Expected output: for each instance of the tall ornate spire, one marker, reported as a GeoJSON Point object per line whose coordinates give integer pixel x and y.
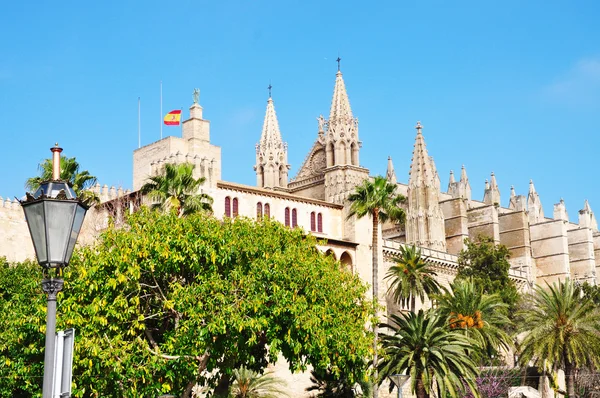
{"type": "Point", "coordinates": [341, 141]}
{"type": "Point", "coordinates": [491, 195]}
{"type": "Point", "coordinates": [271, 152]}
{"type": "Point", "coordinates": [424, 221]}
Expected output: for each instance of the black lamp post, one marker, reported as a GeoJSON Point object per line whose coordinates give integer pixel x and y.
{"type": "Point", "coordinates": [54, 215]}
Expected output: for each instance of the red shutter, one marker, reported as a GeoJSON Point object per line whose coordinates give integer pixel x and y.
{"type": "Point", "coordinates": [227, 206]}
{"type": "Point", "coordinates": [235, 207]}
{"type": "Point", "coordinates": [320, 222]}
{"type": "Point", "coordinates": [259, 212]}
{"type": "Point", "coordinates": [287, 216]}
{"type": "Point", "coordinates": [312, 222]}
{"type": "Point", "coordinates": [294, 218]}
{"type": "Point", "coordinates": [267, 210]}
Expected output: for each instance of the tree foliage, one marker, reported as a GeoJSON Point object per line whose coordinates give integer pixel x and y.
{"type": "Point", "coordinates": [327, 384]}
{"type": "Point", "coordinates": [176, 188]}
{"type": "Point", "coordinates": [487, 264]}
{"type": "Point", "coordinates": [480, 316]}
{"type": "Point", "coordinates": [250, 384]}
{"type": "Point", "coordinates": [412, 276]}
{"type": "Point", "coordinates": [70, 171]}
{"type": "Point", "coordinates": [562, 331]}
{"type": "Point", "coordinates": [167, 302]}
{"type": "Point", "coordinates": [423, 346]}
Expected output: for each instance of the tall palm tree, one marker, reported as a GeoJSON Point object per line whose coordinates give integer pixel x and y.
{"type": "Point", "coordinates": [481, 316]}
{"type": "Point", "coordinates": [79, 180]}
{"type": "Point", "coordinates": [412, 277]}
{"type": "Point", "coordinates": [562, 330]}
{"type": "Point", "coordinates": [423, 346]}
{"type": "Point", "coordinates": [176, 188]}
{"type": "Point", "coordinates": [378, 199]}
{"type": "Point", "coordinates": [250, 384]}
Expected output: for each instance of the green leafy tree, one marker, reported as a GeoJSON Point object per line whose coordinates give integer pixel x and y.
{"type": "Point", "coordinates": [562, 331]}
{"type": "Point", "coordinates": [250, 384]}
{"type": "Point", "coordinates": [80, 180]}
{"type": "Point", "coordinates": [487, 264]}
{"type": "Point", "coordinates": [480, 316]}
{"type": "Point", "coordinates": [379, 200]}
{"type": "Point", "coordinates": [22, 328]}
{"type": "Point", "coordinates": [423, 346]}
{"type": "Point", "coordinates": [591, 292]}
{"type": "Point", "coordinates": [167, 302]}
{"type": "Point", "coordinates": [412, 277]}
{"type": "Point", "coordinates": [176, 188]}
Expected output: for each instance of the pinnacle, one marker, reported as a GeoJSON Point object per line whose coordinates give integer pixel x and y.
{"type": "Point", "coordinates": [390, 174]}
{"type": "Point", "coordinates": [340, 104]}
{"type": "Point", "coordinates": [422, 168]}
{"type": "Point", "coordinates": [271, 136]}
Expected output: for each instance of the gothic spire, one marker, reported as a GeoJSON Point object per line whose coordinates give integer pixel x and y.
{"type": "Point", "coordinates": [271, 152]}
{"type": "Point", "coordinates": [340, 105]}
{"type": "Point", "coordinates": [390, 175]}
{"type": "Point", "coordinates": [463, 174]}
{"type": "Point", "coordinates": [452, 180]}
{"type": "Point", "coordinates": [271, 136]}
{"type": "Point", "coordinates": [492, 193]}
{"type": "Point", "coordinates": [424, 221]}
{"type": "Point", "coordinates": [422, 171]}
{"type": "Point", "coordinates": [534, 205]}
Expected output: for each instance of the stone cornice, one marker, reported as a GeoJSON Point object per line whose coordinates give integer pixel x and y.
{"type": "Point", "coordinates": [267, 192]}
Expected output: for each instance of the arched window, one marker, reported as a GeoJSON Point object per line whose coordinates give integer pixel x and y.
{"type": "Point", "coordinates": [346, 261]}
{"type": "Point", "coordinates": [287, 216]}
{"type": "Point", "coordinates": [259, 210]}
{"type": "Point", "coordinates": [227, 206]}
{"type": "Point", "coordinates": [267, 210]}
{"type": "Point", "coordinates": [313, 222]}
{"type": "Point", "coordinates": [320, 222]}
{"type": "Point", "coordinates": [235, 207]}
{"type": "Point", "coordinates": [294, 218]}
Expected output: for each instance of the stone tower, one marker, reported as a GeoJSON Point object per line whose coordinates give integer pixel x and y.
{"type": "Point", "coordinates": [339, 136]}
{"type": "Point", "coordinates": [424, 220]}
{"type": "Point", "coordinates": [271, 153]}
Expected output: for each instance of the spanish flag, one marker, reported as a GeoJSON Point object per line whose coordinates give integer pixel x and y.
{"type": "Point", "coordinates": [172, 118]}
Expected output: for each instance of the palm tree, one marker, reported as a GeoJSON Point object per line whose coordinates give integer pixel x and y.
{"type": "Point", "coordinates": [176, 188]}
{"type": "Point", "coordinates": [378, 199]}
{"type": "Point", "coordinates": [480, 316]}
{"type": "Point", "coordinates": [329, 385]}
{"type": "Point", "coordinates": [250, 384]}
{"type": "Point", "coordinates": [562, 330]}
{"type": "Point", "coordinates": [412, 277]}
{"type": "Point", "coordinates": [423, 346]}
{"type": "Point", "coordinates": [70, 172]}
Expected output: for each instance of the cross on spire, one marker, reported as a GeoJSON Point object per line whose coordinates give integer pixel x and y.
{"type": "Point", "coordinates": [270, 87]}
{"type": "Point", "coordinates": [419, 126]}
{"type": "Point", "coordinates": [338, 61]}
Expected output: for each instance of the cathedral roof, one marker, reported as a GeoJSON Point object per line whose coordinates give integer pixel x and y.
{"type": "Point", "coordinates": [340, 105]}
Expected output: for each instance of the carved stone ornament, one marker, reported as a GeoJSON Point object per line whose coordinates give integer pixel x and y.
{"type": "Point", "coordinates": [318, 162]}
{"type": "Point", "coordinates": [51, 287]}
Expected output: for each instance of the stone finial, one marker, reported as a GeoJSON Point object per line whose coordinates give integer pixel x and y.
{"type": "Point", "coordinates": [487, 184]}
{"type": "Point", "coordinates": [419, 127]}
{"type": "Point", "coordinates": [587, 218]}
{"type": "Point", "coordinates": [390, 174]}
{"type": "Point", "coordinates": [512, 191]}
{"type": "Point", "coordinates": [463, 174]}
{"type": "Point", "coordinates": [451, 180]}
{"type": "Point", "coordinates": [534, 205]}
{"type": "Point", "coordinates": [560, 211]}
{"type": "Point", "coordinates": [491, 194]}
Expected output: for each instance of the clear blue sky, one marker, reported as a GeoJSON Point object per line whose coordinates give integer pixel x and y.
{"type": "Point", "coordinates": [511, 87]}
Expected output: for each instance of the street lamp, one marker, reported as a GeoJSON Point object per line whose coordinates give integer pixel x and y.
{"type": "Point", "coordinates": [54, 216]}
{"type": "Point", "coordinates": [399, 381]}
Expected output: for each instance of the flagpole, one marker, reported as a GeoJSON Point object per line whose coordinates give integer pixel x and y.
{"type": "Point", "coordinates": [139, 133]}
{"type": "Point", "coordinates": [161, 111]}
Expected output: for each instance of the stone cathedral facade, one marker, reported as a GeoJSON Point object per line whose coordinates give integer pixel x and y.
{"type": "Point", "coordinates": [543, 248]}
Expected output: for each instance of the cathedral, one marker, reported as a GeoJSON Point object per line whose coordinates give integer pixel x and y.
{"type": "Point", "coordinates": [542, 248]}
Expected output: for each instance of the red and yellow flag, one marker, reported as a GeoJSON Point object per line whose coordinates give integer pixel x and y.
{"type": "Point", "coordinates": [172, 118]}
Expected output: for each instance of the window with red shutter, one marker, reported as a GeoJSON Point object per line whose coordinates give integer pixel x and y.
{"type": "Point", "coordinates": [259, 211]}
{"type": "Point", "coordinates": [312, 222]}
{"type": "Point", "coordinates": [267, 210]}
{"type": "Point", "coordinates": [287, 216]}
{"type": "Point", "coordinates": [235, 207]}
{"type": "Point", "coordinates": [294, 218]}
{"type": "Point", "coordinates": [227, 206]}
{"type": "Point", "coordinates": [320, 222]}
